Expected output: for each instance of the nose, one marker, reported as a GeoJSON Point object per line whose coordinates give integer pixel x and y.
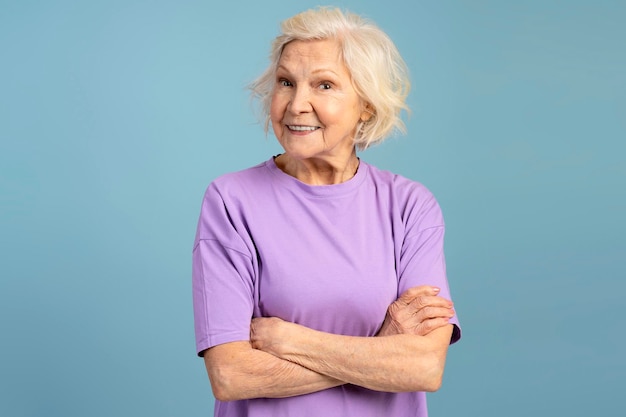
{"type": "Point", "coordinates": [300, 100]}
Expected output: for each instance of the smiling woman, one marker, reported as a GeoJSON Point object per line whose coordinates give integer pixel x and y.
{"type": "Point", "coordinates": [319, 280]}
{"type": "Point", "coordinates": [314, 112]}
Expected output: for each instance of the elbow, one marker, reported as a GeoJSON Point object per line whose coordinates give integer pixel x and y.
{"type": "Point", "coordinates": [222, 394]}
{"type": "Point", "coordinates": [431, 375]}
{"type": "Point", "coordinates": [433, 365]}
{"type": "Point", "coordinates": [220, 390]}
{"type": "Point", "coordinates": [433, 383]}
{"type": "Point", "coordinates": [223, 384]}
{"type": "Point", "coordinates": [226, 377]}
{"type": "Point", "coordinates": [224, 388]}
{"type": "Point", "coordinates": [435, 379]}
{"type": "Point", "coordinates": [219, 393]}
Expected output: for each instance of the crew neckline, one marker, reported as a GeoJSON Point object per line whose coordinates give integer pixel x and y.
{"type": "Point", "coordinates": [342, 188]}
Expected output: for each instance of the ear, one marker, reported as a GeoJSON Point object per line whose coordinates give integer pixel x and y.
{"type": "Point", "coordinates": [367, 113]}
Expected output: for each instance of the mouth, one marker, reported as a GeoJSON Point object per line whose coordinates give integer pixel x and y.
{"type": "Point", "coordinates": [302, 128]}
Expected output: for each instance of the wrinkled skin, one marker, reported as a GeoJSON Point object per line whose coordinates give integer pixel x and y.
{"type": "Point", "coordinates": [417, 311]}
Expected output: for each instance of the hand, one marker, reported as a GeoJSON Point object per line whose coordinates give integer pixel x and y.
{"type": "Point", "coordinates": [269, 334]}
{"type": "Point", "coordinates": [417, 311]}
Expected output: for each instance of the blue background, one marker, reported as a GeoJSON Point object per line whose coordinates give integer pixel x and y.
{"type": "Point", "coordinates": [115, 115]}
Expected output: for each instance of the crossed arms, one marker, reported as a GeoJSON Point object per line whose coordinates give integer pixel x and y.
{"type": "Point", "coordinates": [284, 359]}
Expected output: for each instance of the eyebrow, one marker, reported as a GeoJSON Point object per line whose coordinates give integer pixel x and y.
{"type": "Point", "coordinates": [315, 71]}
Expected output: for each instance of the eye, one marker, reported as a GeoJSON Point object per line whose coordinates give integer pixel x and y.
{"type": "Point", "coordinates": [284, 82]}
{"type": "Point", "coordinates": [325, 86]}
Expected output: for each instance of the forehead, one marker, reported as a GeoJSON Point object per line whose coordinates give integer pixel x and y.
{"type": "Point", "coordinates": [325, 52]}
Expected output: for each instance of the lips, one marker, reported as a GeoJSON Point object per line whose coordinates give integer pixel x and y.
{"type": "Point", "coordinates": [302, 128]}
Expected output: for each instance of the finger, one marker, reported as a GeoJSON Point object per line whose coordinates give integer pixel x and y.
{"type": "Point", "coordinates": [430, 301]}
{"type": "Point", "coordinates": [432, 313]}
{"type": "Point", "coordinates": [429, 325]}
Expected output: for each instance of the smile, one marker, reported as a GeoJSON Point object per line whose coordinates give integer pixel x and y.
{"type": "Point", "coordinates": [302, 128]}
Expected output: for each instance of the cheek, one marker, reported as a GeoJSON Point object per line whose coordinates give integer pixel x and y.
{"type": "Point", "coordinates": [274, 124]}
{"type": "Point", "coordinates": [277, 108]}
{"type": "Point", "coordinates": [276, 116]}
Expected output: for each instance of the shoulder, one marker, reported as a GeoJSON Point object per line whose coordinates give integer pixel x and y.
{"type": "Point", "coordinates": [232, 191]}
{"type": "Point", "coordinates": [242, 178]}
{"type": "Point", "coordinates": [402, 188]}
{"type": "Point", "coordinates": [225, 202]}
{"type": "Point", "coordinates": [396, 181]}
{"type": "Point", "coordinates": [411, 199]}
{"type": "Point", "coordinates": [235, 185]}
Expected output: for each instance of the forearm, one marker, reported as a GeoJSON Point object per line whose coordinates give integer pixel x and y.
{"type": "Point", "coordinates": [239, 372]}
{"type": "Point", "coordinates": [392, 363]}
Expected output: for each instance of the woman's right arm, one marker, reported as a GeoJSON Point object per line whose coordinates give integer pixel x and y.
{"type": "Point", "coordinates": [238, 372]}
{"type": "Point", "coordinates": [223, 296]}
{"type": "Point", "coordinates": [223, 308]}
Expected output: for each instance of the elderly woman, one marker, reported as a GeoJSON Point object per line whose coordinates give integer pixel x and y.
{"type": "Point", "coordinates": [319, 280]}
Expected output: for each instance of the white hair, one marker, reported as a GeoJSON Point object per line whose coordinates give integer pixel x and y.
{"type": "Point", "coordinates": [379, 74]}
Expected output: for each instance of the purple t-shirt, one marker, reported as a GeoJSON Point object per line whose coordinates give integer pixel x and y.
{"type": "Point", "coordinates": [331, 258]}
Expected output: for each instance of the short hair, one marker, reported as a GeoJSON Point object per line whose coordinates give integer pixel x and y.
{"type": "Point", "coordinates": [379, 74]}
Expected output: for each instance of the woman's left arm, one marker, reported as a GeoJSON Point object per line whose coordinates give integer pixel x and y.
{"type": "Point", "coordinates": [396, 363]}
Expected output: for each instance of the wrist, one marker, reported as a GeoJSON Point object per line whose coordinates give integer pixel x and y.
{"type": "Point", "coordinates": [387, 328]}
{"type": "Point", "coordinates": [291, 337]}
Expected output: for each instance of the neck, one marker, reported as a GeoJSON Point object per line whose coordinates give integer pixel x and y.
{"type": "Point", "coordinates": [317, 171]}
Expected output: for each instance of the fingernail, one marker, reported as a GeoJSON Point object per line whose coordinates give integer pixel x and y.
{"type": "Point", "coordinates": [436, 289]}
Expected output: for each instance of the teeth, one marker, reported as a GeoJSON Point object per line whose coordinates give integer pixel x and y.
{"type": "Point", "coordinates": [302, 128]}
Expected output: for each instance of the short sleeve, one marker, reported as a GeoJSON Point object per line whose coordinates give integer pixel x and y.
{"type": "Point", "coordinates": [222, 275]}
{"type": "Point", "coordinates": [422, 260]}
